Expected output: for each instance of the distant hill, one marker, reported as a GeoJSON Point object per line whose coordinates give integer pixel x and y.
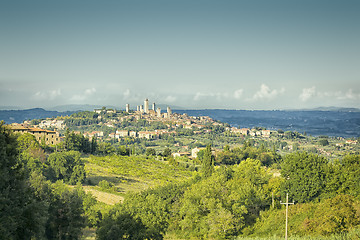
{"type": "Point", "coordinates": [328, 109]}
{"type": "Point", "coordinates": [11, 108]}
{"type": "Point", "coordinates": [87, 107]}
{"type": "Point", "coordinates": [78, 107]}
{"type": "Point", "coordinates": [337, 109]}
{"type": "Point", "coordinates": [18, 116]}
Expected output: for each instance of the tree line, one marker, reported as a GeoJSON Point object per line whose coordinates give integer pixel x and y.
{"type": "Point", "coordinates": [244, 199]}
{"type": "Point", "coordinates": [35, 203]}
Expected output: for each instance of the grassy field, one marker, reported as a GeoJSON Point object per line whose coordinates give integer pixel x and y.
{"type": "Point", "coordinates": [129, 174]}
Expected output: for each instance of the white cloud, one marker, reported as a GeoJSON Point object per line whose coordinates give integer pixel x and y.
{"type": "Point", "coordinates": [90, 91]}
{"type": "Point", "coordinates": [126, 94]}
{"type": "Point", "coordinates": [266, 93]}
{"type": "Point", "coordinates": [199, 95]}
{"type": "Point", "coordinates": [238, 93]}
{"type": "Point", "coordinates": [48, 95]}
{"type": "Point", "coordinates": [170, 99]}
{"type": "Point", "coordinates": [307, 93]}
{"type": "Point", "coordinates": [219, 96]}
{"type": "Point", "coordinates": [81, 97]}
{"type": "Point", "coordinates": [350, 95]}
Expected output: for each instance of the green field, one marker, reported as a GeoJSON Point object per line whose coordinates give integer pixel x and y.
{"type": "Point", "coordinates": [129, 174]}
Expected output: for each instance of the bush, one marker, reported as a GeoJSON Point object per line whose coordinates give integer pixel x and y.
{"type": "Point", "coordinates": [107, 186]}
{"type": "Point", "coordinates": [323, 142]}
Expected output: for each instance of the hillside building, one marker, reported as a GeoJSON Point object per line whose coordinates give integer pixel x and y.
{"type": "Point", "coordinates": [50, 137]}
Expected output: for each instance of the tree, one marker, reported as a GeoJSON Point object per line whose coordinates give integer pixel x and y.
{"type": "Point", "coordinates": [334, 215]}
{"type": "Point", "coordinates": [68, 166]}
{"type": "Point", "coordinates": [167, 152]}
{"type": "Point", "coordinates": [123, 151]}
{"type": "Point", "coordinates": [305, 176]}
{"type": "Point", "coordinates": [22, 215]}
{"type": "Point", "coordinates": [105, 148]}
{"type": "Point", "coordinates": [349, 175]}
{"type": "Point", "coordinates": [31, 155]}
{"type": "Point", "coordinates": [150, 152]}
{"type": "Point", "coordinates": [121, 226]}
{"type": "Point", "coordinates": [323, 142]}
{"type": "Point", "coordinates": [65, 213]}
{"type": "Point", "coordinates": [27, 141]}
{"type": "Point", "coordinates": [78, 142]}
{"type": "Point", "coordinates": [208, 162]}
{"type": "Point", "coordinates": [93, 145]}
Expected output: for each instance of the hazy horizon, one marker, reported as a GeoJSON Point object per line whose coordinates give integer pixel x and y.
{"type": "Point", "coordinates": [252, 55]}
{"type": "Point", "coordinates": [91, 107]}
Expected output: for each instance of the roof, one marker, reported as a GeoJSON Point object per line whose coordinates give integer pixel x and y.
{"type": "Point", "coordinates": [36, 130]}
{"type": "Point", "coordinates": [17, 127]}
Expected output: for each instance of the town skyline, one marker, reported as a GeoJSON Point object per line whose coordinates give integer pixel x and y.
{"type": "Point", "coordinates": [252, 55]}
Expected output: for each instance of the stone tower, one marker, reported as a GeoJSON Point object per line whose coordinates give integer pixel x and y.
{"type": "Point", "coordinates": [146, 106]}
{"type": "Point", "coordinates": [168, 112]}
{"type": "Point", "coordinates": [127, 108]}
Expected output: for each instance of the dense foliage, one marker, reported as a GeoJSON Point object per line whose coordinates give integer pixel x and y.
{"type": "Point", "coordinates": [21, 213]}
{"type": "Point", "coordinates": [236, 155]}
{"type": "Point", "coordinates": [243, 199]}
{"type": "Point", "coordinates": [334, 215]}
{"type": "Point", "coordinates": [67, 166]}
{"type": "Point", "coordinates": [31, 206]}
{"type": "Point", "coordinates": [305, 176]}
{"type": "Point", "coordinates": [213, 206]}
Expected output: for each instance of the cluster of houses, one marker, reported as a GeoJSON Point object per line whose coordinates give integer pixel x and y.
{"type": "Point", "coordinates": [52, 123]}
{"type": "Point", "coordinates": [251, 132]}
{"type": "Point", "coordinates": [125, 133]}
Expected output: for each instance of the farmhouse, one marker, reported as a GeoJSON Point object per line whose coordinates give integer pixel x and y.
{"type": "Point", "coordinates": [50, 137]}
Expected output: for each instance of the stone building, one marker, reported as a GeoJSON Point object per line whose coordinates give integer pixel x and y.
{"type": "Point", "coordinates": [50, 137]}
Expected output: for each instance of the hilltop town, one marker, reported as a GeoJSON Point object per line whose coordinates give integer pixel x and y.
{"type": "Point", "coordinates": [147, 127]}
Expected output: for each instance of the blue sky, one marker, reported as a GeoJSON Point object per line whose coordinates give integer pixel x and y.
{"type": "Point", "coordinates": [194, 54]}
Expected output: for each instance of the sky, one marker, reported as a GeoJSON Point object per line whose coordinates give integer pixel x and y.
{"type": "Point", "coordinates": [228, 54]}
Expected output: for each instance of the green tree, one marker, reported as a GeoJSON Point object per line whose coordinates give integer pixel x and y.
{"type": "Point", "coordinates": [119, 225]}
{"type": "Point", "coordinates": [66, 211]}
{"type": "Point", "coordinates": [323, 142]}
{"type": "Point", "coordinates": [105, 148]}
{"type": "Point", "coordinates": [334, 215]}
{"type": "Point", "coordinates": [77, 142]}
{"type": "Point", "coordinates": [349, 175]}
{"type": "Point", "coordinates": [123, 151]}
{"type": "Point", "coordinates": [31, 155]}
{"type": "Point", "coordinates": [305, 176]}
{"type": "Point", "coordinates": [167, 152]}
{"type": "Point", "coordinates": [207, 162]}
{"type": "Point", "coordinates": [150, 152]}
{"type": "Point", "coordinates": [67, 166]}
{"type": "Point", "coordinates": [93, 145]}
{"type": "Point", "coordinates": [21, 214]}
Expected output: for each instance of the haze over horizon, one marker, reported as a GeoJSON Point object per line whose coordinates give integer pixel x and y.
{"type": "Point", "coordinates": [193, 54]}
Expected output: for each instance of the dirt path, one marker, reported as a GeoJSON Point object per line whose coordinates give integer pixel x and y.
{"type": "Point", "coordinates": [104, 197]}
